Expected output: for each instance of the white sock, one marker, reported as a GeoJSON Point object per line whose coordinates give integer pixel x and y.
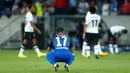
{"type": "Point", "coordinates": [84, 48]}
{"type": "Point", "coordinates": [21, 50]}
{"type": "Point", "coordinates": [96, 51]}
{"type": "Point", "coordinates": [55, 64]}
{"type": "Point", "coordinates": [116, 49]}
{"type": "Point", "coordinates": [37, 50]}
{"type": "Point", "coordinates": [111, 48]}
{"type": "Point", "coordinates": [67, 65]}
{"type": "Point", "coordinates": [88, 51]}
{"type": "Point", "coordinates": [99, 49]}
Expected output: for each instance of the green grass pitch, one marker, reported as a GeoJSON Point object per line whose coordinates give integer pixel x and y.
{"type": "Point", "coordinates": [10, 63]}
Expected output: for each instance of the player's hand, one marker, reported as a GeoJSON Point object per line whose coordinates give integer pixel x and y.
{"type": "Point", "coordinates": [83, 36]}
{"type": "Point", "coordinates": [39, 32]}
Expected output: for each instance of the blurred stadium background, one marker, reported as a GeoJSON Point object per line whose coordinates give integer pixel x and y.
{"type": "Point", "coordinates": [53, 13]}
{"type": "Point", "coordinates": [71, 15]}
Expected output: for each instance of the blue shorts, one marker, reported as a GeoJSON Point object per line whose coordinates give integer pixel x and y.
{"type": "Point", "coordinates": [54, 57]}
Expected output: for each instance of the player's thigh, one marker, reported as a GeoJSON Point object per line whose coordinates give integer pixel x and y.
{"type": "Point", "coordinates": [88, 38]}
{"type": "Point", "coordinates": [25, 41]}
{"type": "Point", "coordinates": [110, 36]}
{"type": "Point", "coordinates": [95, 38]}
{"type": "Point", "coordinates": [72, 56]}
{"type": "Point", "coordinates": [50, 55]}
{"type": "Point", "coordinates": [27, 35]}
{"type": "Point", "coordinates": [34, 41]}
{"type": "Point", "coordinates": [114, 40]}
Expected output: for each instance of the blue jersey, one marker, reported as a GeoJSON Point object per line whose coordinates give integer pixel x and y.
{"type": "Point", "coordinates": [61, 45]}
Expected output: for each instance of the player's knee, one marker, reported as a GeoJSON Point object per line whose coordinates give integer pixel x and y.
{"type": "Point", "coordinates": [34, 42]}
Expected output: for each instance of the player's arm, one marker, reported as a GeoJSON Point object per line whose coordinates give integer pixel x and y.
{"type": "Point", "coordinates": [117, 35]}
{"type": "Point", "coordinates": [34, 26]}
{"type": "Point", "coordinates": [100, 27]}
{"type": "Point", "coordinates": [84, 31]}
{"type": "Point", "coordinates": [48, 49]}
{"type": "Point", "coordinates": [71, 47]}
{"type": "Point", "coordinates": [85, 26]}
{"type": "Point", "coordinates": [50, 46]}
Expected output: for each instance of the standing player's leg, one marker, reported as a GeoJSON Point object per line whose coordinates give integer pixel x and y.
{"type": "Point", "coordinates": [88, 41]}
{"type": "Point", "coordinates": [84, 49]}
{"type": "Point", "coordinates": [116, 48]}
{"type": "Point", "coordinates": [99, 48]}
{"type": "Point", "coordinates": [96, 51]}
{"type": "Point", "coordinates": [111, 48]}
{"type": "Point", "coordinates": [110, 41]}
{"type": "Point", "coordinates": [34, 42]}
{"type": "Point", "coordinates": [95, 43]}
{"type": "Point", "coordinates": [25, 41]}
{"type": "Point", "coordinates": [100, 52]}
{"type": "Point", "coordinates": [51, 58]}
{"type": "Point", "coordinates": [115, 45]}
{"type": "Point", "coordinates": [21, 55]}
{"type": "Point", "coordinates": [88, 51]}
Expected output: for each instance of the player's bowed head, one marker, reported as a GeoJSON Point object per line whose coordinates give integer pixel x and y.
{"type": "Point", "coordinates": [92, 10]}
{"type": "Point", "coordinates": [60, 30]}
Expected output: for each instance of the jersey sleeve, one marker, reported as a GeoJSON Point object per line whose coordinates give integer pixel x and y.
{"type": "Point", "coordinates": [87, 19]}
{"type": "Point", "coordinates": [30, 17]}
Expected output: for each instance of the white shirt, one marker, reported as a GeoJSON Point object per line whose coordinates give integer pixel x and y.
{"type": "Point", "coordinates": [88, 13]}
{"type": "Point", "coordinates": [116, 29]}
{"type": "Point", "coordinates": [92, 20]}
{"type": "Point", "coordinates": [28, 26]}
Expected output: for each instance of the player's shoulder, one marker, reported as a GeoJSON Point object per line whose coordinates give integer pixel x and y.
{"type": "Point", "coordinates": [97, 15]}
{"type": "Point", "coordinates": [28, 14]}
{"type": "Point", "coordinates": [94, 15]}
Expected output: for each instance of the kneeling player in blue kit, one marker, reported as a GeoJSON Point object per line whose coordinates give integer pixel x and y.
{"type": "Point", "coordinates": [60, 49]}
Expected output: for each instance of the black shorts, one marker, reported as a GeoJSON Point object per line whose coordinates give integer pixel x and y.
{"type": "Point", "coordinates": [92, 39]}
{"type": "Point", "coordinates": [29, 35]}
{"type": "Point", "coordinates": [111, 38]}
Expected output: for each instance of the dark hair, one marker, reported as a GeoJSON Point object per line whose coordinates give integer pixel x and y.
{"type": "Point", "coordinates": [124, 31]}
{"type": "Point", "coordinates": [59, 29]}
{"type": "Point", "coordinates": [92, 10]}
{"type": "Point", "coordinates": [30, 6]}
